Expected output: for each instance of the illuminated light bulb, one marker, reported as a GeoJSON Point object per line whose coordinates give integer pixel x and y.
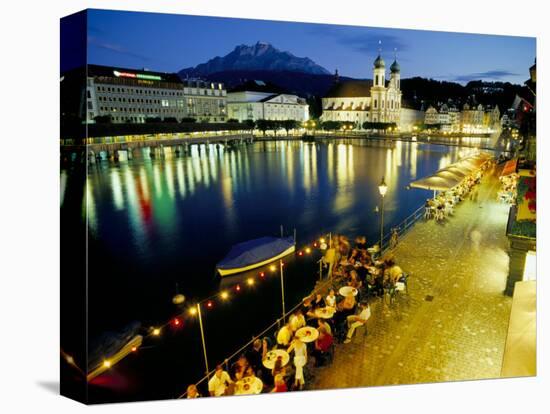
{"type": "Point", "coordinates": [193, 311]}
{"type": "Point", "coordinates": [315, 244]}
{"type": "Point", "coordinates": [250, 281]}
{"type": "Point", "coordinates": [107, 363]}
{"type": "Point", "coordinates": [322, 240]}
{"type": "Point", "coordinates": [176, 321]}
{"type": "Point", "coordinates": [69, 359]}
{"type": "Point", "coordinates": [238, 287]}
{"type": "Point", "coordinates": [308, 250]}
{"type": "Point", "coordinates": [209, 304]}
{"type": "Point", "coordinates": [224, 295]}
{"type": "Point", "coordinates": [156, 331]}
{"type": "Point", "coordinates": [282, 264]}
{"type": "Point", "coordinates": [300, 253]}
{"type": "Point", "coordinates": [262, 274]}
{"type": "Point", "coordinates": [272, 268]}
{"type": "Point", "coordinates": [134, 348]}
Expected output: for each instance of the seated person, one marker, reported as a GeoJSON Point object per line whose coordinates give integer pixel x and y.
{"type": "Point", "coordinates": [307, 304]}
{"type": "Point", "coordinates": [318, 301]}
{"type": "Point", "coordinates": [392, 273]}
{"type": "Point", "coordinates": [330, 300]}
{"type": "Point", "coordinates": [321, 323]}
{"type": "Point", "coordinates": [354, 280]}
{"type": "Point", "coordinates": [355, 321]}
{"type": "Point", "coordinates": [345, 308]}
{"type": "Point", "coordinates": [192, 391]}
{"type": "Point", "coordinates": [322, 346]}
{"type": "Point", "coordinates": [239, 367]}
{"type": "Point", "coordinates": [284, 336]}
{"type": "Point", "coordinates": [219, 382]}
{"type": "Point", "coordinates": [255, 354]}
{"type": "Point", "coordinates": [280, 384]}
{"type": "Point", "coordinates": [297, 320]}
{"type": "Point", "coordinates": [361, 243]}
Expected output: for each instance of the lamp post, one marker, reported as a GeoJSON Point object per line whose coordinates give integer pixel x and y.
{"type": "Point", "coordinates": [282, 288]}
{"type": "Point", "coordinates": [203, 341]}
{"type": "Point", "coordinates": [383, 189]}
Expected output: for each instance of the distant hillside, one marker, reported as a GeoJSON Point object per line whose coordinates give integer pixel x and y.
{"type": "Point", "coordinates": [433, 92]}
{"type": "Point", "coordinates": [303, 77]}
{"type": "Point", "coordinates": [302, 84]}
{"type": "Point", "coordinates": [261, 56]}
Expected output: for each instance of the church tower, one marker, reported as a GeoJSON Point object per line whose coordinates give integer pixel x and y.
{"type": "Point", "coordinates": [395, 74]}
{"type": "Point", "coordinates": [394, 92]}
{"type": "Point", "coordinates": [378, 90]}
{"type": "Point", "coordinates": [379, 72]}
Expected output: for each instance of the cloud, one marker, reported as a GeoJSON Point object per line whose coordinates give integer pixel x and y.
{"type": "Point", "coordinates": [113, 47]}
{"type": "Point", "coordinates": [362, 40]}
{"type": "Point", "coordinates": [496, 74]}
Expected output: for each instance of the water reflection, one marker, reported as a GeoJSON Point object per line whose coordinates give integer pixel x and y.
{"type": "Point", "coordinates": [193, 206]}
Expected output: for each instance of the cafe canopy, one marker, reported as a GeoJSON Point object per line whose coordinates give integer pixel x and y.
{"type": "Point", "coordinates": [452, 175]}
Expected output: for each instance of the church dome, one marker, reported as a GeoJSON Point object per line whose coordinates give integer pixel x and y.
{"type": "Point", "coordinates": [379, 62]}
{"type": "Point", "coordinates": [395, 68]}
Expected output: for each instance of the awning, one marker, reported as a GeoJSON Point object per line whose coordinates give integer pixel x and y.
{"type": "Point", "coordinates": [452, 175]}
{"type": "Point", "coordinates": [509, 168]}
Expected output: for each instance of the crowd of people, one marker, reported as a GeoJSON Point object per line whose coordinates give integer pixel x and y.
{"type": "Point", "coordinates": [508, 190]}
{"type": "Point", "coordinates": [443, 204]}
{"type": "Point", "coordinates": [331, 314]}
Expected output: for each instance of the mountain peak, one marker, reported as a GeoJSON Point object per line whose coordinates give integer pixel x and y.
{"type": "Point", "coordinates": [259, 56]}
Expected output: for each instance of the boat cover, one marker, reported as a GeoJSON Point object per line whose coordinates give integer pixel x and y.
{"type": "Point", "coordinates": [255, 251]}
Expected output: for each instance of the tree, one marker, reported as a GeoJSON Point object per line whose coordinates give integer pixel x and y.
{"type": "Point", "coordinates": [170, 119]}
{"type": "Point", "coordinates": [232, 121]}
{"type": "Point", "coordinates": [289, 124]}
{"type": "Point", "coordinates": [188, 120]}
{"type": "Point", "coordinates": [332, 125]}
{"type": "Point", "coordinates": [263, 125]}
{"type": "Point", "coordinates": [250, 123]}
{"type": "Point", "coordinates": [379, 126]}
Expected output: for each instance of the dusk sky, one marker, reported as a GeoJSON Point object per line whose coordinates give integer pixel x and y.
{"type": "Point", "coordinates": [168, 43]}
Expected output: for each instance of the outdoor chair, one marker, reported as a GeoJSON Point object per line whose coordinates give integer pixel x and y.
{"type": "Point", "coordinates": [405, 280]}
{"type": "Point", "coordinates": [428, 213]}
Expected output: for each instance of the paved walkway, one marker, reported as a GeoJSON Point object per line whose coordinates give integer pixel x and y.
{"type": "Point", "coordinates": [453, 323]}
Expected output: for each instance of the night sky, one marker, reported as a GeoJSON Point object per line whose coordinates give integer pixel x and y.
{"type": "Point", "coordinates": [168, 43]}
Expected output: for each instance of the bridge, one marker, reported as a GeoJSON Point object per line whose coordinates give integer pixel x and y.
{"type": "Point", "coordinates": [125, 146]}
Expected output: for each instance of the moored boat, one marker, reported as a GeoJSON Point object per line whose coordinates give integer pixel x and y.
{"type": "Point", "coordinates": [255, 253]}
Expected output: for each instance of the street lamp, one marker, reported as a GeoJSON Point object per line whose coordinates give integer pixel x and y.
{"type": "Point", "coordinates": [282, 289]}
{"type": "Point", "coordinates": [196, 310]}
{"type": "Point", "coordinates": [382, 189]}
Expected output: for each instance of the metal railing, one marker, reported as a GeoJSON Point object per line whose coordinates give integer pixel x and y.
{"type": "Point", "coordinates": [402, 228]}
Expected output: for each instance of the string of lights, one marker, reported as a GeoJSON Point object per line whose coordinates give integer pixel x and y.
{"type": "Point", "coordinates": [177, 321]}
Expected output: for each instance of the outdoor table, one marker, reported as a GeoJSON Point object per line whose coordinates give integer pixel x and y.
{"type": "Point", "coordinates": [249, 385]}
{"type": "Point", "coordinates": [346, 290]}
{"type": "Point", "coordinates": [307, 334]}
{"type": "Point", "coordinates": [325, 313]}
{"type": "Point", "coordinates": [271, 357]}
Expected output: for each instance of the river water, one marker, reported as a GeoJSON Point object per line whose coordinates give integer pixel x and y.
{"type": "Point", "coordinates": [159, 226]}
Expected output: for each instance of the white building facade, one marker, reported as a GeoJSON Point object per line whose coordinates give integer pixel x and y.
{"type": "Point", "coordinates": [471, 120]}
{"type": "Point", "coordinates": [366, 101]}
{"type": "Point", "coordinates": [254, 105]}
{"type": "Point", "coordinates": [130, 96]}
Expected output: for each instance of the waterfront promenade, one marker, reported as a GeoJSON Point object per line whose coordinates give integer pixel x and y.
{"type": "Point", "coordinates": [452, 325]}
